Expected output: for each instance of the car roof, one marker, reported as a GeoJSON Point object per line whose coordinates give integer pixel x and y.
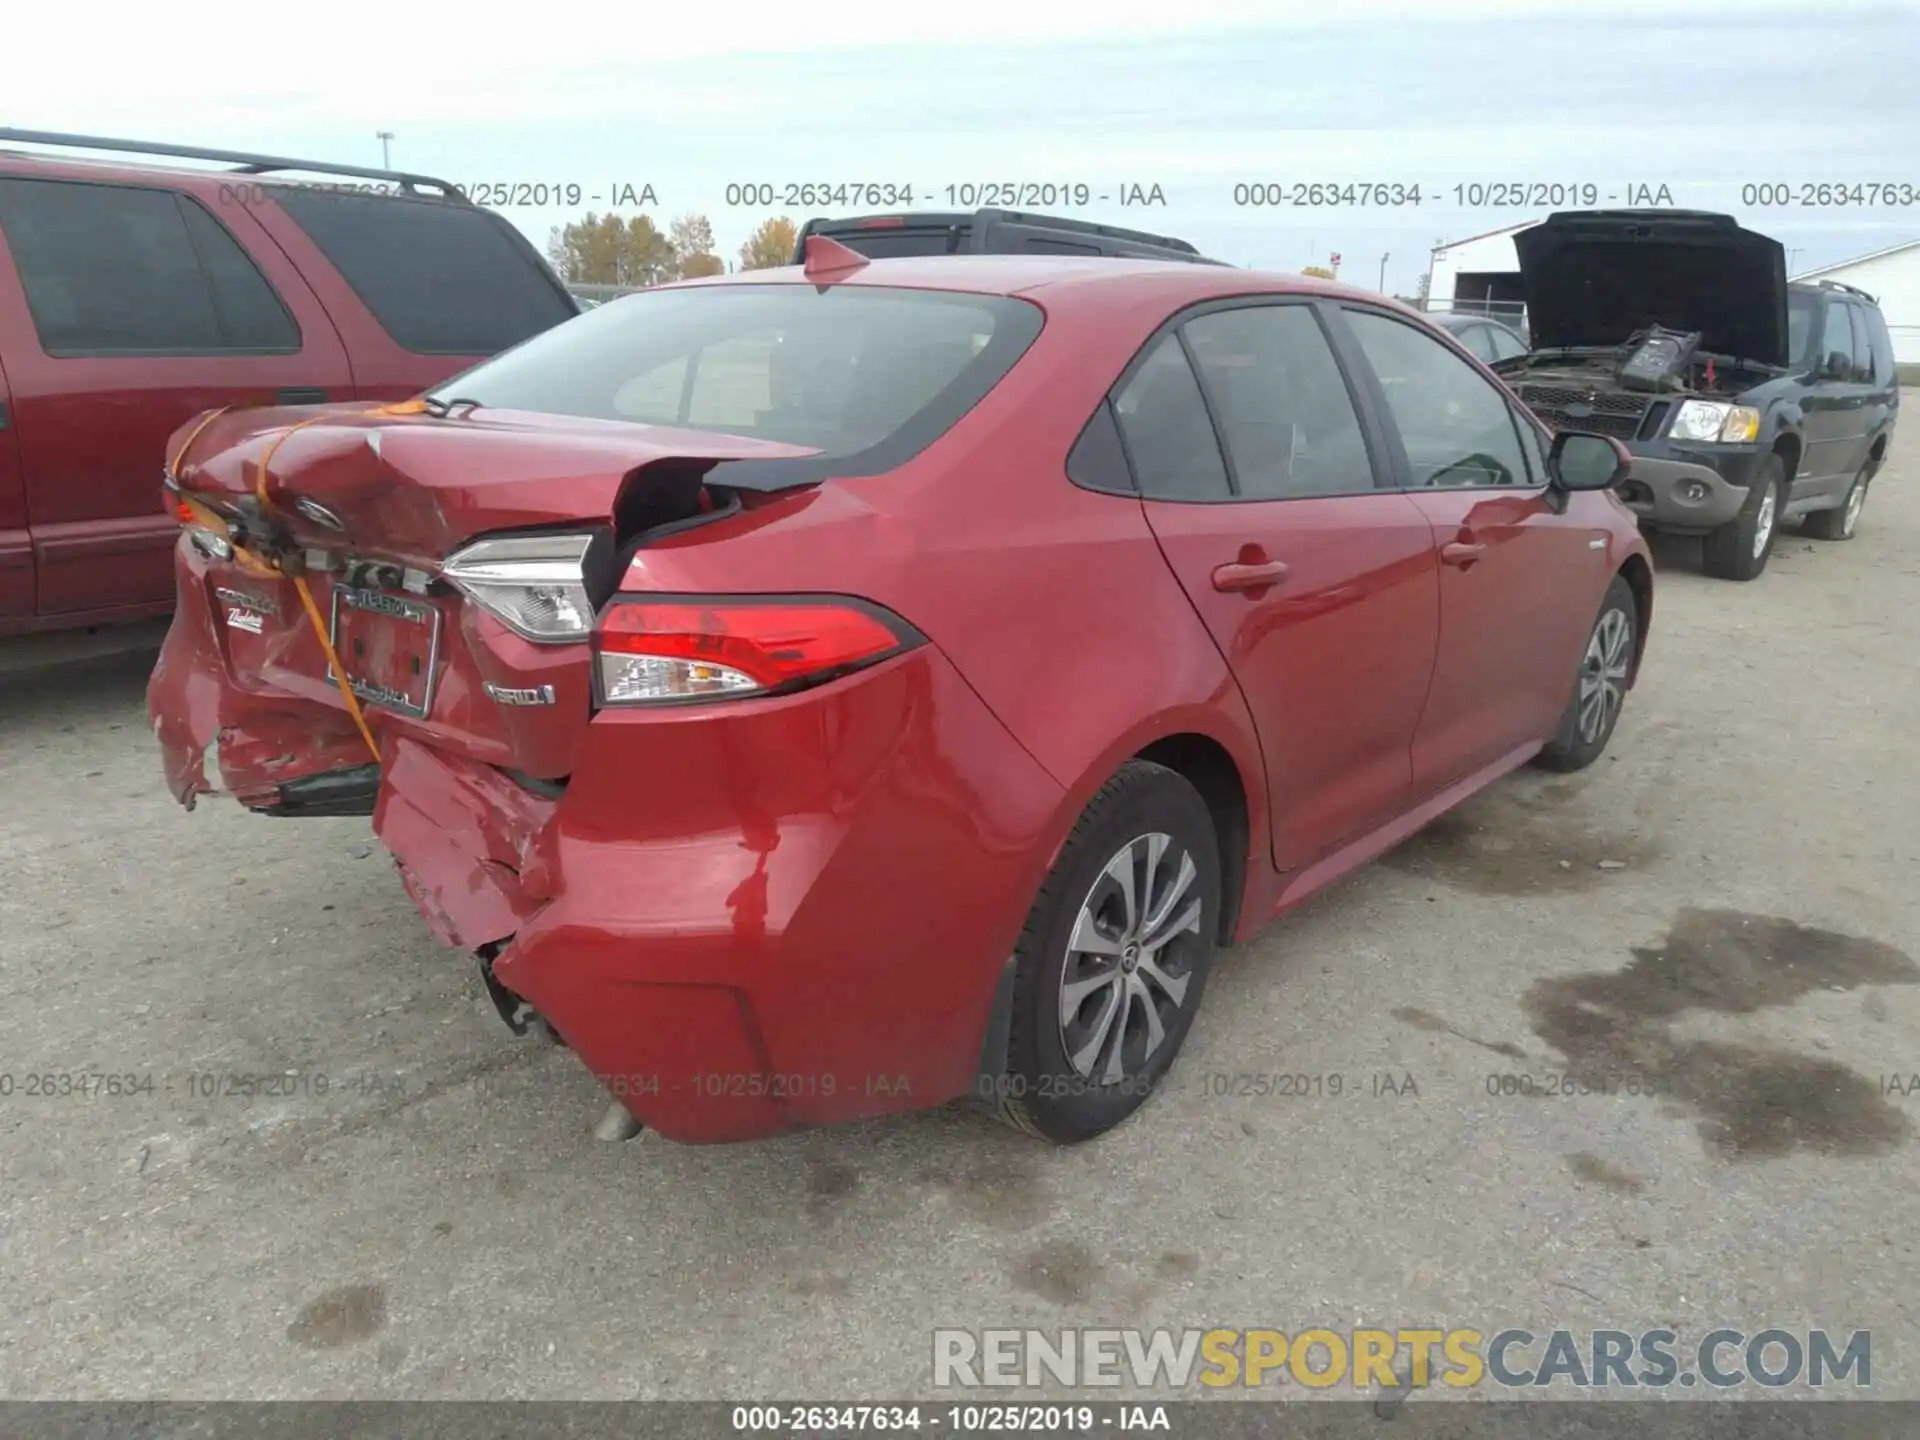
{"type": "Point", "coordinates": [1081, 277]}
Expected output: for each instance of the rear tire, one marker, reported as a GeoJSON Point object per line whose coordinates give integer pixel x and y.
{"type": "Point", "coordinates": [1114, 958]}
{"type": "Point", "coordinates": [1739, 549]}
{"type": "Point", "coordinates": [1600, 687]}
{"type": "Point", "coordinates": [1843, 521]}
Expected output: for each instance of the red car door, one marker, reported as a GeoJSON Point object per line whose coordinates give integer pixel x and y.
{"type": "Point", "coordinates": [1520, 575]}
{"type": "Point", "coordinates": [1258, 477]}
{"type": "Point", "coordinates": [135, 308]}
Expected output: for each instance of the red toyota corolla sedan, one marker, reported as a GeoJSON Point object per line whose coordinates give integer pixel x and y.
{"type": "Point", "coordinates": [818, 693]}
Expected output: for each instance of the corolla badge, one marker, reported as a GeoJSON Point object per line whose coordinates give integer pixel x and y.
{"type": "Point", "coordinates": [247, 610]}
{"type": "Point", "coordinates": [319, 514]}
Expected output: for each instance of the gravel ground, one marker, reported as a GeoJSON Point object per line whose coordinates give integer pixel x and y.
{"type": "Point", "coordinates": [1735, 881]}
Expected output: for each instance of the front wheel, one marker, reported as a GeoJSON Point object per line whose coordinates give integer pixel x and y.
{"type": "Point", "coordinates": [1114, 957]}
{"type": "Point", "coordinates": [1600, 689]}
{"type": "Point", "coordinates": [1739, 549]}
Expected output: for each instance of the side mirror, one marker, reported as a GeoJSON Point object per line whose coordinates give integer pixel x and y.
{"type": "Point", "coordinates": [1582, 460]}
{"type": "Point", "coordinates": [1839, 366]}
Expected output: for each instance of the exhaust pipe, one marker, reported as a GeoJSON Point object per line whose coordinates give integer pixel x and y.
{"type": "Point", "coordinates": [617, 1124]}
{"type": "Point", "coordinates": [520, 1017]}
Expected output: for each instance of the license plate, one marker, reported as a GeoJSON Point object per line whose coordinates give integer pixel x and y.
{"type": "Point", "coordinates": [390, 646]}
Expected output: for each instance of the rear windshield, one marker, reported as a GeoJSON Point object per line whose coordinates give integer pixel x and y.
{"type": "Point", "coordinates": [441, 278]}
{"type": "Point", "coordinates": [843, 370]}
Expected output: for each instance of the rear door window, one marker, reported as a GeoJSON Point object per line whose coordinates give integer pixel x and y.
{"type": "Point", "coordinates": [252, 315]}
{"type": "Point", "coordinates": [1862, 345]}
{"type": "Point", "coordinates": [442, 278]}
{"type": "Point", "coordinates": [847, 371]}
{"type": "Point", "coordinates": [1883, 363]}
{"type": "Point", "coordinates": [1169, 436]}
{"type": "Point", "coordinates": [135, 270]}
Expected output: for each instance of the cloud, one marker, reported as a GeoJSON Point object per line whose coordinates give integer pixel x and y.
{"type": "Point", "coordinates": [1194, 98]}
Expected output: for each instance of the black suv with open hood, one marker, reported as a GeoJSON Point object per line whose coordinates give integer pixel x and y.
{"type": "Point", "coordinates": [1745, 400]}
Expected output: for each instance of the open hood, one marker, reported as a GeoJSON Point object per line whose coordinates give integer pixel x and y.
{"type": "Point", "coordinates": [1594, 277]}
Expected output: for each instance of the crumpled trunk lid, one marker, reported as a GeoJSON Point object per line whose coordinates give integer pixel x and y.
{"type": "Point", "coordinates": [370, 504]}
{"type": "Point", "coordinates": [415, 487]}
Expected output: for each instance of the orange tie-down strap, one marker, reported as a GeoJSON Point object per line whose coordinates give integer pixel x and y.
{"type": "Point", "coordinates": [265, 566]}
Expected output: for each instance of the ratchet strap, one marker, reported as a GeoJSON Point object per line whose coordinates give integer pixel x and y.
{"type": "Point", "coordinates": [275, 567]}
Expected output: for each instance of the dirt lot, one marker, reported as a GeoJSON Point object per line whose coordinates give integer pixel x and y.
{"type": "Point", "coordinates": [421, 1210]}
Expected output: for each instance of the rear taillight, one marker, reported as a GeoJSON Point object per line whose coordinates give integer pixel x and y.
{"type": "Point", "coordinates": [678, 649]}
{"type": "Point", "coordinates": [535, 584]}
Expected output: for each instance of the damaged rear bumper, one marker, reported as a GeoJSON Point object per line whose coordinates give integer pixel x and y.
{"type": "Point", "coordinates": [744, 917]}
{"type": "Point", "coordinates": [750, 918]}
{"type": "Point", "coordinates": [275, 752]}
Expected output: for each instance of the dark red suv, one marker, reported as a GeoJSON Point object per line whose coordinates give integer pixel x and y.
{"type": "Point", "coordinates": [133, 296]}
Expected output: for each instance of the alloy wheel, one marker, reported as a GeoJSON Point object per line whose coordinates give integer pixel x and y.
{"type": "Point", "coordinates": [1856, 502]}
{"type": "Point", "coordinates": [1763, 523]}
{"type": "Point", "coordinates": [1603, 674]}
{"type": "Point", "coordinates": [1126, 974]}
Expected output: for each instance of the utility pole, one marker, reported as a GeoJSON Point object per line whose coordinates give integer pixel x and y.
{"type": "Point", "coordinates": [1383, 271]}
{"type": "Point", "coordinates": [385, 137]}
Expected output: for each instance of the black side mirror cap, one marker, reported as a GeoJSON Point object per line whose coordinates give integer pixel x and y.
{"type": "Point", "coordinates": [1583, 460]}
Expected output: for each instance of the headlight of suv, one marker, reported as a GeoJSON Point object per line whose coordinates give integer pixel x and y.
{"type": "Point", "coordinates": [1715, 420]}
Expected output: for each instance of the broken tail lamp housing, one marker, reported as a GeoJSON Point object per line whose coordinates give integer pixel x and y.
{"type": "Point", "coordinates": [207, 530]}
{"type": "Point", "coordinates": [676, 650]}
{"type": "Point", "coordinates": [535, 585]}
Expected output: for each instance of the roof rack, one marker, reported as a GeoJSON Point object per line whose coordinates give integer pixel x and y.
{"type": "Point", "coordinates": [243, 162]}
{"type": "Point", "coordinates": [1850, 289]}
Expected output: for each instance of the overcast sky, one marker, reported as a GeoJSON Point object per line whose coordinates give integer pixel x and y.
{"type": "Point", "coordinates": [692, 98]}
